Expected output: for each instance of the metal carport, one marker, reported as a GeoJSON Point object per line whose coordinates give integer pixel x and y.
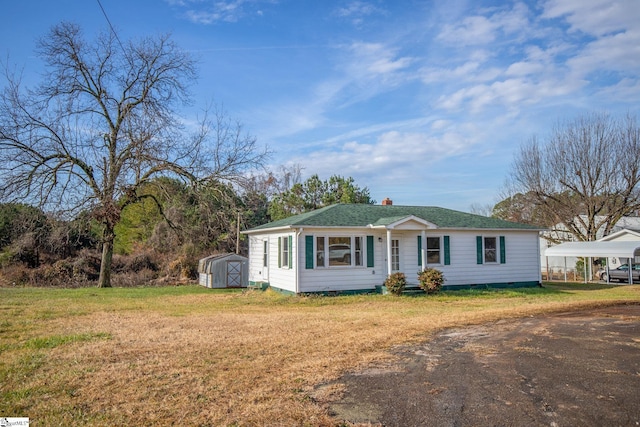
{"type": "Point", "coordinates": [598, 249]}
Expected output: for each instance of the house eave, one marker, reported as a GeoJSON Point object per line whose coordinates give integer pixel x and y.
{"type": "Point", "coordinates": [269, 230]}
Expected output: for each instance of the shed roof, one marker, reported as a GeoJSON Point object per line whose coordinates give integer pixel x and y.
{"type": "Point", "coordinates": [206, 265]}
{"type": "Point", "coordinates": [620, 249]}
{"type": "Point", "coordinates": [364, 215]}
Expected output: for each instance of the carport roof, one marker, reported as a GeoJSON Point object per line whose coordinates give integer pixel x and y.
{"type": "Point", "coordinates": [620, 249]}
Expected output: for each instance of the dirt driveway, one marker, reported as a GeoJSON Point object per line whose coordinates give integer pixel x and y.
{"type": "Point", "coordinates": [569, 369]}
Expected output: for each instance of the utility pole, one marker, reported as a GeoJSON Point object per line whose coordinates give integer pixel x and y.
{"type": "Point", "coordinates": [238, 235]}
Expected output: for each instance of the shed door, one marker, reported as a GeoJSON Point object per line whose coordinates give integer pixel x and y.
{"type": "Point", "coordinates": [234, 274]}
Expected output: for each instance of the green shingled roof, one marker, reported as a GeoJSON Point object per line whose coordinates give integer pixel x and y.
{"type": "Point", "coordinates": [361, 215]}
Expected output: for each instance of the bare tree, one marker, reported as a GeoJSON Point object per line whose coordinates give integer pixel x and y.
{"type": "Point", "coordinates": [104, 122]}
{"type": "Point", "coordinates": [585, 176]}
{"type": "Point", "coordinates": [480, 209]}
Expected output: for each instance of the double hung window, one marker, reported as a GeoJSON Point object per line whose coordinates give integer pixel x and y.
{"type": "Point", "coordinates": [285, 252]}
{"type": "Point", "coordinates": [320, 252]}
{"type": "Point", "coordinates": [490, 249]}
{"type": "Point", "coordinates": [433, 250]}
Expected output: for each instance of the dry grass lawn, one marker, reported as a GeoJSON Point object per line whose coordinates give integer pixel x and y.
{"type": "Point", "coordinates": [197, 357]}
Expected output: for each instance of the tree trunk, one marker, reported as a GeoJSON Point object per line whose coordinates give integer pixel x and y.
{"type": "Point", "coordinates": [104, 281]}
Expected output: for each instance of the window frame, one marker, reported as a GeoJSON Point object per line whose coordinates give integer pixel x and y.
{"type": "Point", "coordinates": [265, 253]}
{"type": "Point", "coordinates": [320, 253]}
{"type": "Point", "coordinates": [427, 250]}
{"type": "Point", "coordinates": [285, 252]}
{"type": "Point", "coordinates": [358, 249]}
{"type": "Point", "coordinates": [495, 250]}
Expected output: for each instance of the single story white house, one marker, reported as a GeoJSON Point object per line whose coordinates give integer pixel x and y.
{"type": "Point", "coordinates": [351, 248]}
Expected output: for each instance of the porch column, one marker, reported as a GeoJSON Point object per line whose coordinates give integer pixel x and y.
{"type": "Point", "coordinates": [423, 251]}
{"type": "Point", "coordinates": [389, 264]}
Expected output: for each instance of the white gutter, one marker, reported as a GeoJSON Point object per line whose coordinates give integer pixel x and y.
{"type": "Point", "coordinates": [267, 230]}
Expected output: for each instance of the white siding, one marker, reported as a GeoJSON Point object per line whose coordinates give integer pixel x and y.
{"type": "Point", "coordinates": [256, 273]}
{"type": "Point", "coordinates": [342, 278]}
{"type": "Point", "coordinates": [521, 265]}
{"type": "Point", "coordinates": [282, 277]}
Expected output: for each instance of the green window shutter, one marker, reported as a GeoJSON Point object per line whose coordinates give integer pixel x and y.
{"type": "Point", "coordinates": [290, 252]}
{"type": "Point", "coordinates": [370, 261]}
{"type": "Point", "coordinates": [419, 251]}
{"type": "Point", "coordinates": [503, 251]}
{"type": "Point", "coordinates": [479, 249]}
{"type": "Point", "coordinates": [279, 252]}
{"type": "Point", "coordinates": [447, 251]}
{"type": "Point", "coordinates": [308, 252]}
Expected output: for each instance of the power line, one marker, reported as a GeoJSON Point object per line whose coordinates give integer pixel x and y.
{"type": "Point", "coordinates": [111, 26]}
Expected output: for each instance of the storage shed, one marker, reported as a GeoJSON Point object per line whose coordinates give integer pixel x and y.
{"type": "Point", "coordinates": [224, 271]}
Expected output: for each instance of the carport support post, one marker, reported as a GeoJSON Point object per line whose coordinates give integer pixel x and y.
{"type": "Point", "coordinates": [548, 278]}
{"type": "Point", "coordinates": [587, 268]}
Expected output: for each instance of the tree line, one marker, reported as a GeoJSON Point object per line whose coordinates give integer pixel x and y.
{"type": "Point", "coordinates": [159, 238]}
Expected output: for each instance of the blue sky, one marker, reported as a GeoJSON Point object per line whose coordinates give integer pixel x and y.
{"type": "Point", "coordinates": [424, 102]}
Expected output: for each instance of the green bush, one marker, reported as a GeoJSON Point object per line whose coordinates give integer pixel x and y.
{"type": "Point", "coordinates": [396, 283]}
{"type": "Point", "coordinates": [431, 280]}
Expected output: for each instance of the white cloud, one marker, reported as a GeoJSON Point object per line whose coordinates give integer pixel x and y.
{"type": "Point", "coordinates": [206, 13]}
{"type": "Point", "coordinates": [527, 60]}
{"type": "Point", "coordinates": [369, 69]}
{"type": "Point", "coordinates": [394, 154]}
{"type": "Point", "coordinates": [357, 11]}
{"type": "Point", "coordinates": [513, 94]}
{"type": "Point", "coordinates": [471, 71]}
{"type": "Point", "coordinates": [374, 60]}
{"type": "Point", "coordinates": [473, 30]}
{"type": "Point", "coordinates": [625, 91]}
{"type": "Point", "coordinates": [595, 17]}
{"type": "Point", "coordinates": [524, 68]}
{"type": "Point", "coordinates": [485, 29]}
{"type": "Point", "coordinates": [617, 52]}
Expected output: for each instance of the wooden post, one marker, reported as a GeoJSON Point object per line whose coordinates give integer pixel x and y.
{"type": "Point", "coordinates": [238, 235]}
